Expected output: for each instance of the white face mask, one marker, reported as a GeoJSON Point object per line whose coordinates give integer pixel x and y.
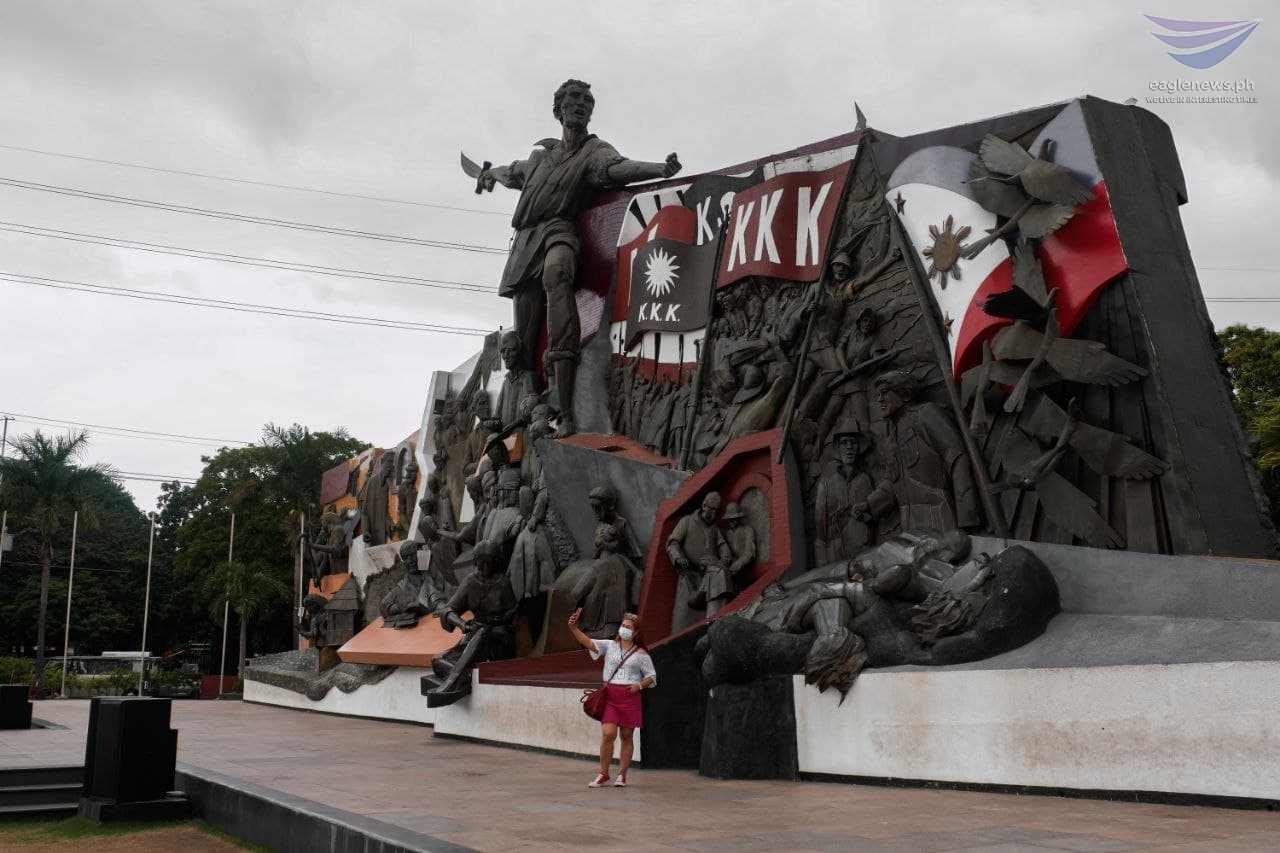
{"type": "Point", "coordinates": [625, 633]}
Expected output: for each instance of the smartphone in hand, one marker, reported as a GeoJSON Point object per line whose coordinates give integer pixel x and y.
{"type": "Point", "coordinates": [577, 614]}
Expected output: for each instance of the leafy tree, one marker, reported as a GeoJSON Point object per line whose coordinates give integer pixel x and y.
{"type": "Point", "coordinates": [1252, 357]}
{"type": "Point", "coordinates": [43, 487]}
{"type": "Point", "coordinates": [265, 486]}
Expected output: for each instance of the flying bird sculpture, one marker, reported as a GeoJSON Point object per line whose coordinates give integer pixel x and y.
{"type": "Point", "coordinates": [1037, 195]}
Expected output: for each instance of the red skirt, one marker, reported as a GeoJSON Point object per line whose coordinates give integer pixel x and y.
{"type": "Point", "coordinates": [622, 707]}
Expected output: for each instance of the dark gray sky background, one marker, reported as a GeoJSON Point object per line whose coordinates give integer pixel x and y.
{"type": "Point", "coordinates": [377, 99]}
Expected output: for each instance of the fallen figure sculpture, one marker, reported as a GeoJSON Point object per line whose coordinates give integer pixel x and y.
{"type": "Point", "coordinates": [919, 598]}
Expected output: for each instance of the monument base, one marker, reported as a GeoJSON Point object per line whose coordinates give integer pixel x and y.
{"type": "Point", "coordinates": [1207, 730]}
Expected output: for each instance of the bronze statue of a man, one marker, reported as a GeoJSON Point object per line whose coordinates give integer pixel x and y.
{"type": "Point", "coordinates": [701, 555]}
{"type": "Point", "coordinates": [927, 472]}
{"type": "Point", "coordinates": [557, 182]}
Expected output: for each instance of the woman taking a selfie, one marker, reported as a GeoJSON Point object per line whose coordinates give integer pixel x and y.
{"type": "Point", "coordinates": [628, 669]}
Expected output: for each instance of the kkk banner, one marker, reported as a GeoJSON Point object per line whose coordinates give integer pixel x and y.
{"type": "Point", "coordinates": [931, 195]}
{"type": "Point", "coordinates": [671, 280]}
{"type": "Point", "coordinates": [673, 222]}
{"type": "Point", "coordinates": [780, 227]}
{"type": "Point", "coordinates": [691, 213]}
{"type": "Point", "coordinates": [710, 197]}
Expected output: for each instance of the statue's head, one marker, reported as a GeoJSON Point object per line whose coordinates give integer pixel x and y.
{"type": "Point", "coordinates": [850, 441]}
{"type": "Point", "coordinates": [603, 501]}
{"type": "Point", "coordinates": [539, 428]}
{"type": "Point", "coordinates": [429, 529]}
{"type": "Point", "coordinates": [481, 406]}
{"type": "Point", "coordinates": [710, 507]}
{"type": "Point", "coordinates": [329, 519]}
{"type": "Point", "coordinates": [733, 514]}
{"type": "Point", "coordinates": [524, 408]}
{"type": "Point", "coordinates": [893, 391]}
{"type": "Point", "coordinates": [509, 487]}
{"type": "Point", "coordinates": [409, 554]}
{"type": "Point", "coordinates": [841, 266]}
{"type": "Point", "coordinates": [485, 555]}
{"type": "Point", "coordinates": [573, 104]}
{"type": "Point", "coordinates": [750, 383]}
{"type": "Point", "coordinates": [475, 488]}
{"type": "Point", "coordinates": [867, 321]}
{"type": "Point", "coordinates": [510, 350]}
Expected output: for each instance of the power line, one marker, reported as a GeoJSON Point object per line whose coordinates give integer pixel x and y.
{"type": "Point", "coordinates": [148, 432]}
{"type": "Point", "coordinates": [240, 307]}
{"type": "Point", "coordinates": [40, 422]}
{"type": "Point", "coordinates": [251, 182]}
{"type": "Point", "coordinates": [244, 260]}
{"type": "Point", "coordinates": [244, 217]}
{"type": "Point", "coordinates": [153, 478]}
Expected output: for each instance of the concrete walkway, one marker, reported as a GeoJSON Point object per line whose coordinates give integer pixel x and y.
{"type": "Point", "coordinates": [492, 798]}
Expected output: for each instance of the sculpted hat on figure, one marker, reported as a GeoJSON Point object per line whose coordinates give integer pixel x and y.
{"type": "Point", "coordinates": [558, 181]}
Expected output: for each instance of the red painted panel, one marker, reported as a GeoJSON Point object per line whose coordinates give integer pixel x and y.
{"type": "Point", "coordinates": [746, 463]}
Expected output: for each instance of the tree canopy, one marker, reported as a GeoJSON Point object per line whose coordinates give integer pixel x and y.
{"type": "Point", "coordinates": [47, 491]}
{"type": "Point", "coordinates": [267, 485]}
{"type": "Point", "coordinates": [1252, 358]}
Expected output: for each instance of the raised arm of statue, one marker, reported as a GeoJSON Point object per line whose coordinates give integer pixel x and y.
{"type": "Point", "coordinates": [630, 171]}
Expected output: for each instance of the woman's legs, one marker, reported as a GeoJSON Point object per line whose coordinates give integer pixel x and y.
{"type": "Point", "coordinates": [628, 747]}
{"type": "Point", "coordinates": [608, 734]}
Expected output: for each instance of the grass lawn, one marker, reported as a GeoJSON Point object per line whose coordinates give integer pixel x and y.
{"type": "Point", "coordinates": [77, 833]}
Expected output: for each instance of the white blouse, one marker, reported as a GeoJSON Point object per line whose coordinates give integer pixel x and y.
{"type": "Point", "coordinates": [637, 667]}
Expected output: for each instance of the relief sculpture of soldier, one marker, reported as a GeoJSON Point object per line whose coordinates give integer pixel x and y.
{"type": "Point", "coordinates": [928, 474]}
{"type": "Point", "coordinates": [701, 555]}
{"type": "Point", "coordinates": [841, 531]}
{"type": "Point", "coordinates": [558, 181]}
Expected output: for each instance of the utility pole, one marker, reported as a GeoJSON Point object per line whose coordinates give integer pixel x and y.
{"type": "Point", "coordinates": [146, 604]}
{"type": "Point", "coordinates": [4, 515]}
{"type": "Point", "coordinates": [71, 580]}
{"type": "Point", "coordinates": [226, 609]}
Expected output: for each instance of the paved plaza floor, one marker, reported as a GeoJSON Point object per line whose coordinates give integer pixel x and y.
{"type": "Point", "coordinates": [493, 798]}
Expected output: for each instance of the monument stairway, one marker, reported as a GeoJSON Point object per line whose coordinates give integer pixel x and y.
{"type": "Point", "coordinates": [40, 790]}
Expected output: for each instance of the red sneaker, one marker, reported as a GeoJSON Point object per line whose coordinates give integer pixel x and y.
{"type": "Point", "coordinates": [600, 781]}
{"type": "Point", "coordinates": [621, 781]}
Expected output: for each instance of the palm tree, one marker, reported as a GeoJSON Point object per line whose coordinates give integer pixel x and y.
{"type": "Point", "coordinates": [44, 485]}
{"type": "Point", "coordinates": [1264, 422]}
{"type": "Point", "coordinates": [252, 590]}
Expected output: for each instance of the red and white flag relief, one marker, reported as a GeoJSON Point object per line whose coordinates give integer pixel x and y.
{"type": "Point", "coordinates": [930, 192]}
{"type": "Point", "coordinates": [787, 209]}
{"type": "Point", "coordinates": [780, 228]}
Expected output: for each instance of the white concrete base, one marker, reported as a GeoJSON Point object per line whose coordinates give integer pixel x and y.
{"type": "Point", "coordinates": [1207, 728]}
{"type": "Point", "coordinates": [396, 697]}
{"type": "Point", "coordinates": [540, 717]}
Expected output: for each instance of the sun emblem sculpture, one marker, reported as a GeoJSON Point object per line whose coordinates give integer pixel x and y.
{"type": "Point", "coordinates": [945, 251]}
{"type": "Point", "coordinates": [660, 273]}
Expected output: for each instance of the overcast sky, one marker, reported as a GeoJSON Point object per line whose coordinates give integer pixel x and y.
{"type": "Point", "coordinates": [376, 99]}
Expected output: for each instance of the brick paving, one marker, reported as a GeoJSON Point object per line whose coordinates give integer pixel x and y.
{"type": "Point", "coordinates": [492, 798]}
